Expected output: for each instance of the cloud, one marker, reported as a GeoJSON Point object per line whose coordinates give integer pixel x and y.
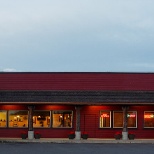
{"type": "Point", "coordinates": [68, 35]}
{"type": "Point", "coordinates": [9, 70]}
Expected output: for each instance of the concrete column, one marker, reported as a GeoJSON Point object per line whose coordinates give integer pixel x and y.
{"type": "Point", "coordinates": [30, 123]}
{"type": "Point", "coordinates": [77, 131]}
{"type": "Point", "coordinates": [125, 129]}
{"type": "Point", "coordinates": [30, 135]}
{"type": "Point", "coordinates": [77, 135]}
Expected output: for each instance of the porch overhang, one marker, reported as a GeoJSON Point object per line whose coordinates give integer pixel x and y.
{"type": "Point", "coordinates": [77, 97]}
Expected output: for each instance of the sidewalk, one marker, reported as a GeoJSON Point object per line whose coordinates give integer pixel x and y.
{"type": "Point", "coordinates": [66, 140]}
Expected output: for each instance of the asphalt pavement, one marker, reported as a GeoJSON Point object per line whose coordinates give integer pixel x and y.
{"type": "Point", "coordinates": [55, 148]}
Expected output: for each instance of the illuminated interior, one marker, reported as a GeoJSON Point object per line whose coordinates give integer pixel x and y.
{"type": "Point", "coordinates": [131, 119]}
{"type": "Point", "coordinates": [62, 119]}
{"type": "Point", "coordinates": [105, 119]}
{"type": "Point", "coordinates": [3, 121]}
{"type": "Point", "coordinates": [18, 118]}
{"type": "Point", "coordinates": [41, 119]}
{"type": "Point", "coordinates": [148, 119]}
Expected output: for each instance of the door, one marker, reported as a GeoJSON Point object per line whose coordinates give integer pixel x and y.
{"type": "Point", "coordinates": [90, 125]}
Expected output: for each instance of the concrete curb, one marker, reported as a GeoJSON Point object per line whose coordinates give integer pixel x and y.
{"type": "Point", "coordinates": [49, 140]}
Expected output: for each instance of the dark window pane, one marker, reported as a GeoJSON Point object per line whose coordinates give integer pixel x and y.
{"type": "Point", "coordinates": [118, 119]}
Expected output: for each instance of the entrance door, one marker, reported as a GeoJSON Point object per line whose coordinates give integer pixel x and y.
{"type": "Point", "coordinates": [90, 125]}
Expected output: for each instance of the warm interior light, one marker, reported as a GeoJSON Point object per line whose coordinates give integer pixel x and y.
{"type": "Point", "coordinates": [149, 116]}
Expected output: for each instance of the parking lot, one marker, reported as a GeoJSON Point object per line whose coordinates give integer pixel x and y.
{"type": "Point", "coordinates": [67, 148]}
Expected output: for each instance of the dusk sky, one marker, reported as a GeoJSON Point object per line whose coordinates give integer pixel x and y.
{"type": "Point", "coordinates": [77, 35]}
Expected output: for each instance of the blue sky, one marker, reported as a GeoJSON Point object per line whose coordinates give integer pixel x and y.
{"type": "Point", "coordinates": [77, 35]}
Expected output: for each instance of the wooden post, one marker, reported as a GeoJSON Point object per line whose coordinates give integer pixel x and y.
{"type": "Point", "coordinates": [77, 118]}
{"type": "Point", "coordinates": [30, 118]}
{"type": "Point", "coordinates": [30, 122]}
{"type": "Point", "coordinates": [125, 129]}
{"type": "Point", "coordinates": [125, 108]}
{"type": "Point", "coordinates": [77, 132]}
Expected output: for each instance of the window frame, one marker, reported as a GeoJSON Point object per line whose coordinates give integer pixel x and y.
{"type": "Point", "coordinates": [100, 118]}
{"type": "Point", "coordinates": [6, 119]}
{"type": "Point", "coordinates": [144, 120]}
{"type": "Point", "coordinates": [113, 119]}
{"type": "Point", "coordinates": [52, 112]}
{"type": "Point", "coordinates": [135, 118]}
{"type": "Point", "coordinates": [49, 116]}
{"type": "Point", "coordinates": [127, 118]}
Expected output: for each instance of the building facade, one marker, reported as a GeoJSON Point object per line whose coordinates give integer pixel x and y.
{"type": "Point", "coordinates": [55, 104]}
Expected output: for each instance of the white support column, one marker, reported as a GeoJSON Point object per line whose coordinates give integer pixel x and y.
{"type": "Point", "coordinates": [77, 135]}
{"type": "Point", "coordinates": [124, 135]}
{"type": "Point", "coordinates": [30, 135]}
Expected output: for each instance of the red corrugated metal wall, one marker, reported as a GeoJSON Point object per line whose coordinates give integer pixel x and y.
{"type": "Point", "coordinates": [92, 121]}
{"type": "Point", "coordinates": [77, 81]}
{"type": "Point", "coordinates": [89, 122]}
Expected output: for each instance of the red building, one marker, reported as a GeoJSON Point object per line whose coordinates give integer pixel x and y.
{"type": "Point", "coordinates": [56, 103]}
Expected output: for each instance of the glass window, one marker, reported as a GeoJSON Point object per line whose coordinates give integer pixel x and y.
{"type": "Point", "coordinates": [132, 119]}
{"type": "Point", "coordinates": [62, 119]}
{"type": "Point", "coordinates": [118, 119]}
{"type": "Point", "coordinates": [18, 118]}
{"type": "Point", "coordinates": [149, 119]}
{"type": "Point", "coordinates": [41, 119]}
{"type": "Point", "coordinates": [3, 118]}
{"type": "Point", "coordinates": [105, 119]}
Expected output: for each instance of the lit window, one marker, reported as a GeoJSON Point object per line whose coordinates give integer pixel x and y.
{"type": "Point", "coordinates": [118, 119]}
{"type": "Point", "coordinates": [105, 119]}
{"type": "Point", "coordinates": [3, 118]}
{"type": "Point", "coordinates": [131, 119]}
{"type": "Point", "coordinates": [18, 118]}
{"type": "Point", "coordinates": [62, 119]}
{"type": "Point", "coordinates": [149, 119]}
{"type": "Point", "coordinates": [41, 119]}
